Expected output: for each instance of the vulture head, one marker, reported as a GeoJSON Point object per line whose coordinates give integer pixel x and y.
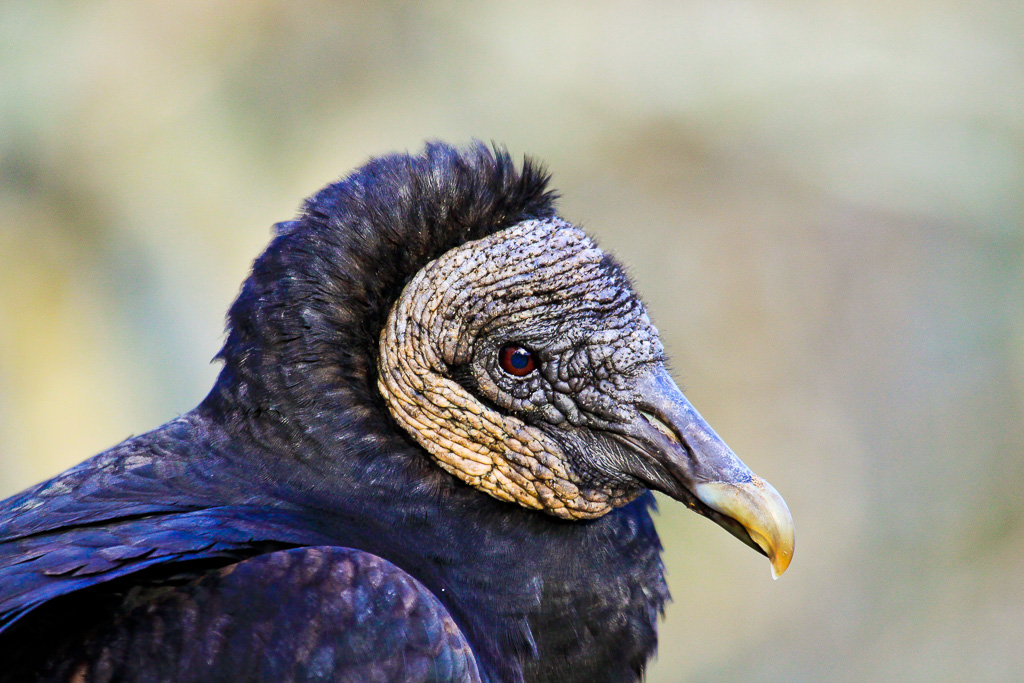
{"type": "Point", "coordinates": [445, 294]}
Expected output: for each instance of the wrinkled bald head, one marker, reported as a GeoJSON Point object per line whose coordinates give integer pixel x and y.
{"type": "Point", "coordinates": [545, 289]}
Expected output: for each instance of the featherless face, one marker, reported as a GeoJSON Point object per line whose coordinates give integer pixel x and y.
{"type": "Point", "coordinates": [525, 366]}
{"type": "Point", "coordinates": [507, 357]}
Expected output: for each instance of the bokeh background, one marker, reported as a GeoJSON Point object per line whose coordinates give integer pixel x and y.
{"type": "Point", "coordinates": [823, 203]}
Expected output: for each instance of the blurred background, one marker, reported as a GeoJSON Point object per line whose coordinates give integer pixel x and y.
{"type": "Point", "coordinates": [822, 202]}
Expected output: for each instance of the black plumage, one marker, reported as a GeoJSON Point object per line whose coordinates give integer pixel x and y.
{"type": "Point", "coordinates": [289, 528]}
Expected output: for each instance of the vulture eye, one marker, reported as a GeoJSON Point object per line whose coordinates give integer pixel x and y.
{"type": "Point", "coordinates": [515, 360]}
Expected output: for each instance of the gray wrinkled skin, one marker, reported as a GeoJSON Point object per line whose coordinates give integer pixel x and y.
{"type": "Point", "coordinates": [543, 285]}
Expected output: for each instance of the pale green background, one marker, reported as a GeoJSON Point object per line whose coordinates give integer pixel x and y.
{"type": "Point", "coordinates": [821, 201]}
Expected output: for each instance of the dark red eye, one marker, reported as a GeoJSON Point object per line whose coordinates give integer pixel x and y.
{"type": "Point", "coordinates": [515, 360]}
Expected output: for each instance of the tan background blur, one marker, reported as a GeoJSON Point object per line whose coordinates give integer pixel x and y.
{"type": "Point", "coordinates": [823, 203]}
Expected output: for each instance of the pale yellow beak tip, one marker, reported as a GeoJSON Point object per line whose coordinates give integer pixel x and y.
{"type": "Point", "coordinates": [780, 563]}
{"type": "Point", "coordinates": [762, 512]}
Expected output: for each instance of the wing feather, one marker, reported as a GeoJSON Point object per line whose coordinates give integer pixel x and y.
{"type": "Point", "coordinates": [318, 613]}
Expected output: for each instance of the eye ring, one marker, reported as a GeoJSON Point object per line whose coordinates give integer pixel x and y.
{"type": "Point", "coordinates": [516, 360]}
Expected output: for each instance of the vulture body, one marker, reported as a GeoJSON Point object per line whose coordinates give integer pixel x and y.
{"type": "Point", "coordinates": [427, 458]}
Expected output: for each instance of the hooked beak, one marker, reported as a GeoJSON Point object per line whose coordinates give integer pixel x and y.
{"type": "Point", "coordinates": [688, 461]}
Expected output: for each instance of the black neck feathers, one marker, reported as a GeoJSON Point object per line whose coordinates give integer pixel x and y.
{"type": "Point", "coordinates": [318, 297]}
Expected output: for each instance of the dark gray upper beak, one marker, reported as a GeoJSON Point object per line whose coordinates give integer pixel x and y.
{"type": "Point", "coordinates": [688, 461]}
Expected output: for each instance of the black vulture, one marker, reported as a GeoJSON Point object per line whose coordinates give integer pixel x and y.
{"type": "Point", "coordinates": [428, 457]}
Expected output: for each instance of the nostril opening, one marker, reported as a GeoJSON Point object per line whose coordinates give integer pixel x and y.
{"type": "Point", "coordinates": [661, 427]}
